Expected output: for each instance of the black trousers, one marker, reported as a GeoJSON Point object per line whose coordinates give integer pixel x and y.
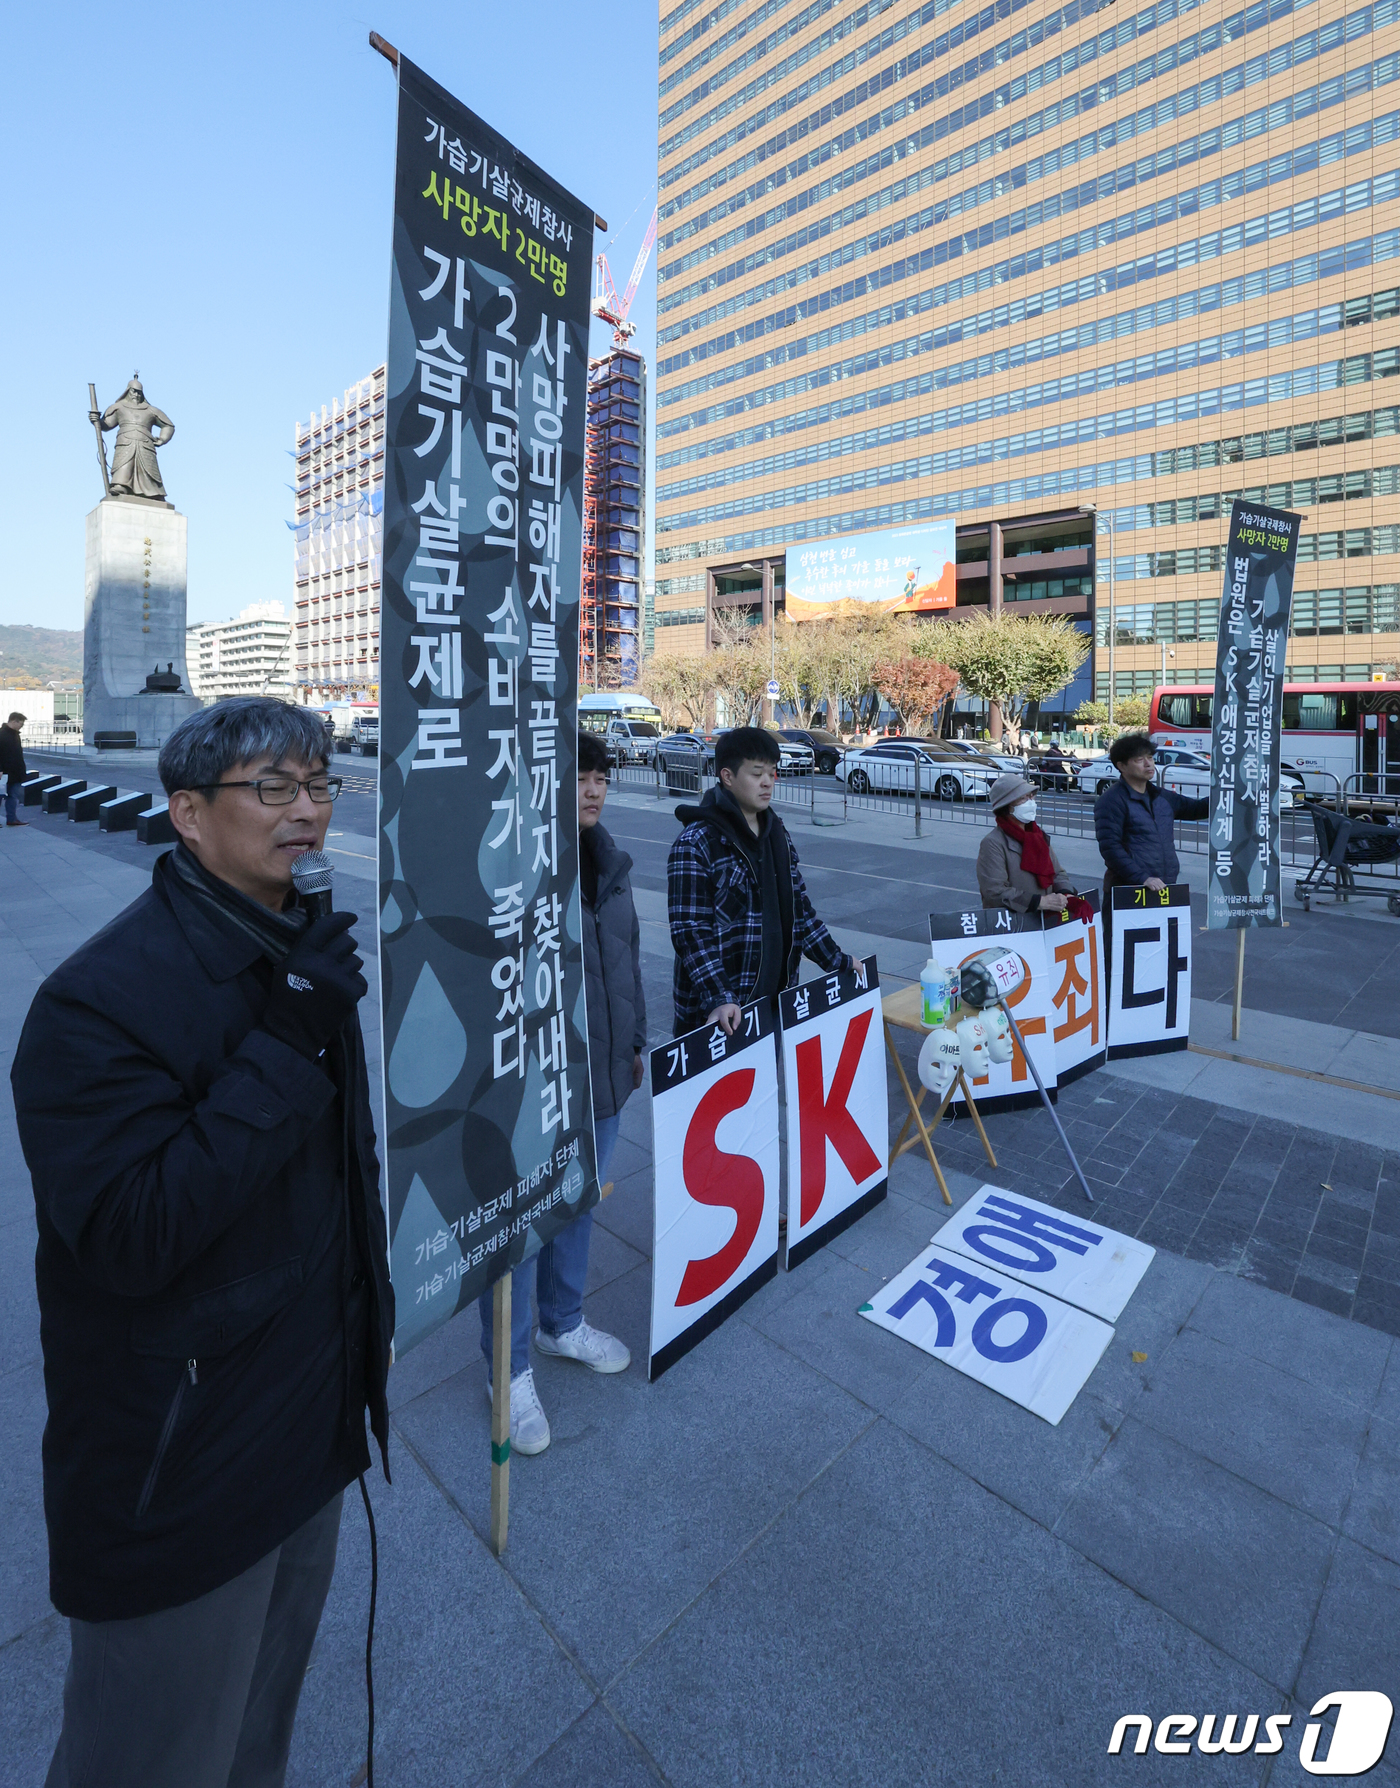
{"type": "Point", "coordinates": [203, 1695]}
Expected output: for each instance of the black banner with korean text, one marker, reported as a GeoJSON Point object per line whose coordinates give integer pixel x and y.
{"type": "Point", "coordinates": [489, 1150]}
{"type": "Point", "coordinates": [1247, 718]}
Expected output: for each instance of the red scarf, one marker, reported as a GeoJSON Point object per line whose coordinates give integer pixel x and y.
{"type": "Point", "coordinates": [1035, 848]}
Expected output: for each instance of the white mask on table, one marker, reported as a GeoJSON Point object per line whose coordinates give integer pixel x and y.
{"type": "Point", "coordinates": [1024, 811]}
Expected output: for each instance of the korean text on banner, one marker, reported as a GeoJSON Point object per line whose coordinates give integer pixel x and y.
{"type": "Point", "coordinates": [1072, 1258]}
{"type": "Point", "coordinates": [1247, 718]}
{"type": "Point", "coordinates": [837, 1133]}
{"type": "Point", "coordinates": [954, 939]}
{"type": "Point", "coordinates": [1029, 1346]}
{"type": "Point", "coordinates": [714, 1116]}
{"type": "Point", "coordinates": [490, 1133]}
{"type": "Point", "coordinates": [1078, 996]}
{"type": "Point", "coordinates": [1149, 994]}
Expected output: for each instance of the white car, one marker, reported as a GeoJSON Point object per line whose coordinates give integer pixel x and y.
{"type": "Point", "coordinates": [1184, 772]}
{"type": "Point", "coordinates": [888, 768]}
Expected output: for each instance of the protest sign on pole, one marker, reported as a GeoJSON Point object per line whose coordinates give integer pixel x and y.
{"type": "Point", "coordinates": [490, 1138]}
{"type": "Point", "coordinates": [1247, 718]}
{"type": "Point", "coordinates": [1079, 1006]}
{"type": "Point", "coordinates": [1073, 1258]}
{"type": "Point", "coordinates": [1024, 1343]}
{"type": "Point", "coordinates": [955, 938]}
{"type": "Point", "coordinates": [837, 1130]}
{"type": "Point", "coordinates": [1149, 993]}
{"type": "Point", "coordinates": [717, 1164]}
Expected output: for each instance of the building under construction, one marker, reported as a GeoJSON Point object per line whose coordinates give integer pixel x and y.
{"type": "Point", "coordinates": [610, 618]}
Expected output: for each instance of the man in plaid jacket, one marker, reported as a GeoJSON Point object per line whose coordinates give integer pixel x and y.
{"type": "Point", "coordinates": [741, 919]}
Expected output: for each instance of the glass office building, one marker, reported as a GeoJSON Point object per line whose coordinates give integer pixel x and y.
{"type": "Point", "coordinates": [339, 554]}
{"type": "Point", "coordinates": [1081, 271]}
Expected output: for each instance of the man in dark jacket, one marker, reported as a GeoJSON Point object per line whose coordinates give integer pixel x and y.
{"type": "Point", "coordinates": [214, 1302]}
{"type": "Point", "coordinates": [741, 920]}
{"type": "Point", "coordinates": [617, 1035]}
{"type": "Point", "coordinates": [1133, 819]}
{"type": "Point", "coordinates": [12, 766]}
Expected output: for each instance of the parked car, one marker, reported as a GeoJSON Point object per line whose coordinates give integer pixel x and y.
{"type": "Point", "coordinates": [683, 758]}
{"type": "Point", "coordinates": [1185, 772]}
{"type": "Point", "coordinates": [977, 748]}
{"type": "Point", "coordinates": [888, 768]}
{"type": "Point", "coordinates": [826, 747]}
{"type": "Point", "coordinates": [635, 741]}
{"type": "Point", "coordinates": [794, 758]}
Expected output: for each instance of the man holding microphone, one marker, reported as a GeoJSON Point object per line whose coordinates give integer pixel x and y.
{"type": "Point", "coordinates": [215, 1309]}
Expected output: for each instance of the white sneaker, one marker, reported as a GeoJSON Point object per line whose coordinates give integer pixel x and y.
{"type": "Point", "coordinates": [529, 1426]}
{"type": "Point", "coordinates": [604, 1353]}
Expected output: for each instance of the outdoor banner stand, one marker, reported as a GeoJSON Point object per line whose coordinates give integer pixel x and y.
{"type": "Point", "coordinates": [489, 1140]}
{"type": "Point", "coordinates": [1243, 886]}
{"type": "Point", "coordinates": [903, 1011]}
{"type": "Point", "coordinates": [500, 1415]}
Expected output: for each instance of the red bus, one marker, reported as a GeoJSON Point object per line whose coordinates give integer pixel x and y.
{"type": "Point", "coordinates": [1330, 730]}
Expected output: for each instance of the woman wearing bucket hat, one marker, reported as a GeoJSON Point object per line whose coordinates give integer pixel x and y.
{"type": "Point", "coordinates": [1016, 867]}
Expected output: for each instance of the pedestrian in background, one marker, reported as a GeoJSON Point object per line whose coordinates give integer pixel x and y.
{"type": "Point", "coordinates": [1017, 869]}
{"type": "Point", "coordinates": [1133, 819]}
{"type": "Point", "coordinates": [617, 1036]}
{"type": "Point", "coordinates": [741, 919]}
{"type": "Point", "coordinates": [12, 766]}
{"type": "Point", "coordinates": [212, 1268]}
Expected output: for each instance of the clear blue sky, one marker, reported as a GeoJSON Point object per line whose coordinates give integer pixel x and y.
{"type": "Point", "coordinates": [204, 193]}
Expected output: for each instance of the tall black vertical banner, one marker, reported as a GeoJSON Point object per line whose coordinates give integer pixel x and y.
{"type": "Point", "coordinates": [1247, 719]}
{"type": "Point", "coordinates": [490, 1129]}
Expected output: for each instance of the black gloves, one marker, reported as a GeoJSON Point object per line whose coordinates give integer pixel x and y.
{"type": "Point", "coordinates": [316, 986]}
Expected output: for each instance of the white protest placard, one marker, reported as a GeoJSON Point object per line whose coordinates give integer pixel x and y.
{"type": "Point", "coordinates": [1024, 1343]}
{"type": "Point", "coordinates": [1073, 1258]}
{"type": "Point", "coordinates": [837, 1134]}
{"type": "Point", "coordinates": [956, 937]}
{"type": "Point", "coordinates": [1149, 984]}
{"type": "Point", "coordinates": [714, 1116]}
{"type": "Point", "coordinates": [1078, 995]}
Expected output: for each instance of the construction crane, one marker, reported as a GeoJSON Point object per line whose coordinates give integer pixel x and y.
{"type": "Point", "coordinates": [607, 306]}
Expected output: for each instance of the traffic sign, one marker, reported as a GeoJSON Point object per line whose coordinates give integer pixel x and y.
{"type": "Point", "coordinates": [772, 687]}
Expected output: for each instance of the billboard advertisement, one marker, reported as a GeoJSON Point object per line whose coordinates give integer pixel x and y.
{"type": "Point", "coordinates": [899, 570]}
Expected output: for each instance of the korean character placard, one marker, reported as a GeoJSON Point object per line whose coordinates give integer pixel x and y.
{"type": "Point", "coordinates": [490, 1126]}
{"type": "Point", "coordinates": [715, 1124]}
{"type": "Point", "coordinates": [1247, 718]}
{"type": "Point", "coordinates": [1074, 961]}
{"type": "Point", "coordinates": [954, 938]}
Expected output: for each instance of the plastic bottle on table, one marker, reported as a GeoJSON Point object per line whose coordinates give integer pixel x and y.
{"type": "Point", "coordinates": [934, 983]}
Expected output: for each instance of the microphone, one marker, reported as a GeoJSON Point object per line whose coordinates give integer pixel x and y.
{"type": "Point", "coordinates": [311, 875]}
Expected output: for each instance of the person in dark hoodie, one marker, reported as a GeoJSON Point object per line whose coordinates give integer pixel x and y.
{"type": "Point", "coordinates": [741, 919]}
{"type": "Point", "coordinates": [617, 1035]}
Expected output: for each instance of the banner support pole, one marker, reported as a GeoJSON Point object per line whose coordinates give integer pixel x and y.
{"type": "Point", "coordinates": [1045, 1097]}
{"type": "Point", "coordinates": [1239, 984]}
{"type": "Point", "coordinates": [500, 1413]}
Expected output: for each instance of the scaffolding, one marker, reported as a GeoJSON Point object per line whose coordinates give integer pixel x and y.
{"type": "Point", "coordinates": [614, 477]}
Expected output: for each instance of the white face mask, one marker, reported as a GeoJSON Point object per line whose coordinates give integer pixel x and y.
{"type": "Point", "coordinates": [1024, 811]}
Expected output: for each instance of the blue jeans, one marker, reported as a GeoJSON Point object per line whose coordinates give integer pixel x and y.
{"type": "Point", "coordinates": [12, 789]}
{"type": "Point", "coordinates": [559, 1272]}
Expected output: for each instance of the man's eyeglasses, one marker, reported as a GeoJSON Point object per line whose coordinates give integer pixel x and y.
{"type": "Point", "coordinates": [281, 791]}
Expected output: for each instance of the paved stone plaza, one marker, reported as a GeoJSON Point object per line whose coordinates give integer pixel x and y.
{"type": "Point", "coordinates": [811, 1554]}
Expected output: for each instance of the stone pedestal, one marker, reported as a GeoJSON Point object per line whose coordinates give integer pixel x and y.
{"type": "Point", "coordinates": [134, 619]}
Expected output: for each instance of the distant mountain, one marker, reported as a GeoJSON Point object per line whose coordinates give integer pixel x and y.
{"type": "Point", "coordinates": [34, 657]}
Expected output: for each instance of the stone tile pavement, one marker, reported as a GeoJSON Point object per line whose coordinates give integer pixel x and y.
{"type": "Point", "coordinates": [811, 1554]}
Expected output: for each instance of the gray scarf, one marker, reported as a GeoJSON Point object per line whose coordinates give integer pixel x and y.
{"type": "Point", "coordinates": [274, 932]}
